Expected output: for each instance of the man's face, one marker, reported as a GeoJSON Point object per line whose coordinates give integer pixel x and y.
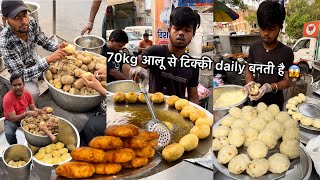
{"type": "Point", "coordinates": [146, 38]}
{"type": "Point", "coordinates": [270, 34]}
{"type": "Point", "coordinates": [116, 46]}
{"type": "Point", "coordinates": [17, 87]}
{"type": "Point", "coordinates": [180, 37]}
{"type": "Point", "coordinates": [20, 23]}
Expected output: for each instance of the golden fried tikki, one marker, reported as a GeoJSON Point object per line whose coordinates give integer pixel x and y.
{"type": "Point", "coordinates": [147, 152]}
{"type": "Point", "coordinates": [119, 155]}
{"type": "Point", "coordinates": [185, 112]}
{"type": "Point", "coordinates": [197, 114]}
{"type": "Point", "coordinates": [106, 142]}
{"type": "Point", "coordinates": [75, 170]}
{"type": "Point", "coordinates": [181, 103]}
{"type": "Point", "coordinates": [128, 130]}
{"type": "Point", "coordinates": [119, 97]}
{"type": "Point", "coordinates": [142, 99]}
{"type": "Point", "coordinates": [157, 97]}
{"type": "Point", "coordinates": [173, 152]}
{"type": "Point", "coordinates": [131, 97]}
{"type": "Point", "coordinates": [88, 154]}
{"type": "Point", "coordinates": [148, 135]}
{"type": "Point", "coordinates": [153, 142]}
{"type": "Point", "coordinates": [135, 163]}
{"type": "Point", "coordinates": [172, 100]}
{"type": "Point", "coordinates": [135, 142]}
{"type": "Point", "coordinates": [107, 168]}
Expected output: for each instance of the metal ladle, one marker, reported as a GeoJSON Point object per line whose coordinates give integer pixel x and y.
{"type": "Point", "coordinates": [154, 124]}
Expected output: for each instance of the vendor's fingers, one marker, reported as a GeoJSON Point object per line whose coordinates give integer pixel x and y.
{"type": "Point", "coordinates": [85, 80]}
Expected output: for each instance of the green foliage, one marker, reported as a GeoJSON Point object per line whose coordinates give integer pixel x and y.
{"type": "Point", "coordinates": [251, 17]}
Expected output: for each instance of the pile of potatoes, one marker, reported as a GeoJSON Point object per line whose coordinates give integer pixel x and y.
{"type": "Point", "coordinates": [53, 153]}
{"type": "Point", "coordinates": [31, 124]}
{"type": "Point", "coordinates": [16, 163]}
{"type": "Point", "coordinates": [66, 75]}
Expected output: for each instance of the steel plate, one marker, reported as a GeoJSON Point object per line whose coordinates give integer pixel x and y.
{"type": "Point", "coordinates": [244, 176]}
{"type": "Point", "coordinates": [139, 115]}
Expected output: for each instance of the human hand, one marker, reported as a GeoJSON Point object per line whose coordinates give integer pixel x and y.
{"type": "Point", "coordinates": [32, 113]}
{"type": "Point", "coordinates": [43, 127]}
{"type": "Point", "coordinates": [101, 73]}
{"type": "Point", "coordinates": [88, 28]}
{"type": "Point", "coordinates": [62, 45]}
{"type": "Point", "coordinates": [248, 86]}
{"type": "Point", "coordinates": [137, 73]}
{"type": "Point", "coordinates": [58, 55]}
{"type": "Point", "coordinates": [91, 82]}
{"type": "Point", "coordinates": [265, 88]}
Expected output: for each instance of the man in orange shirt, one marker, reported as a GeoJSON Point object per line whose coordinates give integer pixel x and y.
{"type": "Point", "coordinates": [144, 43]}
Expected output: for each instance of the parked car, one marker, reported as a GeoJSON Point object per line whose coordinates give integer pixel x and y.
{"type": "Point", "coordinates": [132, 46]}
{"type": "Point", "coordinates": [140, 30]}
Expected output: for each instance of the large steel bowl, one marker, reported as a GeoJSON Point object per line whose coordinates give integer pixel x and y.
{"type": "Point", "coordinates": [217, 92]}
{"type": "Point", "coordinates": [36, 140]}
{"type": "Point", "coordinates": [74, 103]}
{"type": "Point", "coordinates": [124, 86]}
{"type": "Point", "coordinates": [90, 43]}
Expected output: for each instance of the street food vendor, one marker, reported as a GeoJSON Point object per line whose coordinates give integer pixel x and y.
{"type": "Point", "coordinates": [15, 104]}
{"type": "Point", "coordinates": [174, 80]}
{"type": "Point", "coordinates": [272, 54]}
{"type": "Point", "coordinates": [18, 41]}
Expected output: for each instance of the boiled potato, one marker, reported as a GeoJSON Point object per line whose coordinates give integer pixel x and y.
{"type": "Point", "coordinates": [78, 84]}
{"type": "Point", "coordinates": [49, 75]}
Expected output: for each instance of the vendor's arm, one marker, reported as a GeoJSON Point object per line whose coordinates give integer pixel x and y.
{"type": "Point", "coordinates": [283, 84]}
{"type": "Point", "coordinates": [93, 12]}
{"type": "Point", "coordinates": [32, 107]}
{"type": "Point", "coordinates": [93, 83]}
{"type": "Point", "coordinates": [126, 67]}
{"type": "Point", "coordinates": [193, 94]}
{"type": "Point", "coordinates": [12, 116]}
{"type": "Point", "coordinates": [117, 74]}
{"type": "Point", "coordinates": [44, 128]}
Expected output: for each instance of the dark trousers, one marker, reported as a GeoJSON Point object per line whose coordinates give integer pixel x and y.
{"type": "Point", "coordinates": [10, 129]}
{"type": "Point", "coordinates": [94, 127]}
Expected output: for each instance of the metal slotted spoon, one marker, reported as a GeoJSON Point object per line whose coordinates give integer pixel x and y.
{"type": "Point", "coordinates": [155, 125]}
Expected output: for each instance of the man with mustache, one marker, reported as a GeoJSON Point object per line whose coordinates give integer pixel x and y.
{"type": "Point", "coordinates": [15, 104]}
{"type": "Point", "coordinates": [174, 80]}
{"type": "Point", "coordinates": [18, 41]}
{"type": "Point", "coordinates": [270, 17]}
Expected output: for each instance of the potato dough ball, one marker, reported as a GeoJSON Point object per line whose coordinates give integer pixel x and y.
{"type": "Point", "coordinates": [172, 100]}
{"type": "Point", "coordinates": [302, 97]}
{"type": "Point", "coordinates": [306, 121]}
{"type": "Point", "coordinates": [235, 112]}
{"type": "Point", "coordinates": [131, 97]}
{"type": "Point", "coordinates": [119, 97]}
{"type": "Point", "coordinates": [292, 111]}
{"type": "Point", "coordinates": [205, 120]}
{"type": "Point", "coordinates": [59, 145]}
{"type": "Point", "coordinates": [227, 153]}
{"type": "Point", "coordinates": [258, 167]}
{"type": "Point", "coordinates": [202, 131]}
{"type": "Point", "coordinates": [261, 107]}
{"type": "Point", "coordinates": [239, 123]}
{"type": "Point", "coordinates": [181, 103]}
{"type": "Point", "coordinates": [316, 123]}
{"type": "Point", "coordinates": [290, 123]}
{"type": "Point", "coordinates": [221, 131]}
{"type": "Point", "coordinates": [198, 113]}
{"type": "Point", "coordinates": [274, 109]}
{"type": "Point", "coordinates": [269, 137]}
{"type": "Point", "coordinates": [251, 135]}
{"type": "Point", "coordinates": [247, 108]}
{"type": "Point", "coordinates": [278, 163]}
{"type": "Point", "coordinates": [258, 123]}
{"type": "Point", "coordinates": [298, 99]}
{"type": "Point", "coordinates": [173, 152]}
{"type": "Point", "coordinates": [227, 121]}
{"type": "Point", "coordinates": [157, 97]}
{"type": "Point", "coordinates": [238, 164]}
{"type": "Point", "coordinates": [297, 116]}
{"type": "Point", "coordinates": [266, 115]}
{"type": "Point", "coordinates": [189, 142]}
{"type": "Point", "coordinates": [282, 116]}
{"type": "Point", "coordinates": [291, 133]}
{"type": "Point", "coordinates": [290, 148]}
{"type": "Point", "coordinates": [291, 106]}
{"type": "Point", "coordinates": [277, 126]}
{"type": "Point", "coordinates": [142, 99]}
{"type": "Point", "coordinates": [185, 112]}
{"type": "Point", "coordinates": [292, 101]}
{"type": "Point", "coordinates": [219, 142]}
{"type": "Point", "coordinates": [236, 137]}
{"type": "Point", "coordinates": [248, 115]}
{"type": "Point", "coordinates": [257, 150]}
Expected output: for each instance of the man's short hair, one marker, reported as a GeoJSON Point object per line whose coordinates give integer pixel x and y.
{"type": "Point", "coordinates": [183, 17]}
{"type": "Point", "coordinates": [145, 35]}
{"type": "Point", "coordinates": [270, 13]}
{"type": "Point", "coordinates": [15, 76]}
{"type": "Point", "coordinates": [119, 35]}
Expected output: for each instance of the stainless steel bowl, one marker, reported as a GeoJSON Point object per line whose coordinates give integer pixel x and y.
{"type": "Point", "coordinates": [36, 140]}
{"type": "Point", "coordinates": [125, 86]}
{"type": "Point", "coordinates": [217, 92]}
{"type": "Point", "coordinates": [89, 43]}
{"type": "Point", "coordinates": [74, 103]}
